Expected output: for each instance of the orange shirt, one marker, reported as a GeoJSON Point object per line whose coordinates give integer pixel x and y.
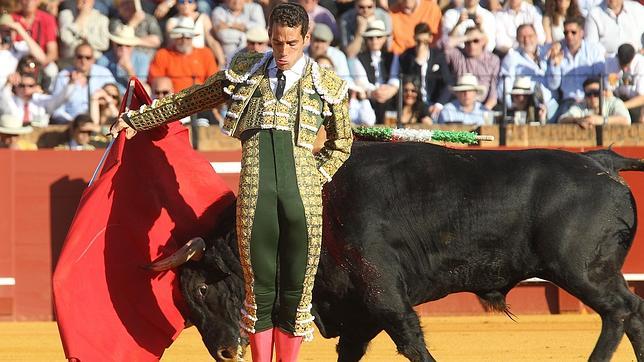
{"type": "Point", "coordinates": [184, 69]}
{"type": "Point", "coordinates": [403, 24]}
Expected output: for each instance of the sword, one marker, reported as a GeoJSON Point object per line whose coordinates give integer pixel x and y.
{"type": "Point", "coordinates": [128, 101]}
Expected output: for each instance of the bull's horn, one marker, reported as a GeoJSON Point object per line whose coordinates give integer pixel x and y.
{"type": "Point", "coordinates": [193, 249]}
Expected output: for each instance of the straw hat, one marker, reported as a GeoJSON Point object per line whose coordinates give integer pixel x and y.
{"type": "Point", "coordinates": [10, 124]}
{"type": "Point", "coordinates": [185, 28]}
{"type": "Point", "coordinates": [522, 85]}
{"type": "Point", "coordinates": [5, 19]}
{"type": "Point", "coordinates": [124, 35]}
{"type": "Point", "coordinates": [375, 28]}
{"type": "Point", "coordinates": [257, 34]}
{"type": "Point", "coordinates": [467, 82]}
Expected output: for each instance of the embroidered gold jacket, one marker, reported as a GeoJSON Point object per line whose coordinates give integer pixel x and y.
{"type": "Point", "coordinates": [322, 98]}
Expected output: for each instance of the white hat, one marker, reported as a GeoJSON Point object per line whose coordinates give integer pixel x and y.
{"type": "Point", "coordinates": [10, 124]}
{"type": "Point", "coordinates": [375, 28]}
{"type": "Point", "coordinates": [257, 34]}
{"type": "Point", "coordinates": [467, 82]}
{"type": "Point", "coordinates": [5, 19]}
{"type": "Point", "coordinates": [185, 28]}
{"type": "Point", "coordinates": [124, 35]}
{"type": "Point", "coordinates": [522, 85]}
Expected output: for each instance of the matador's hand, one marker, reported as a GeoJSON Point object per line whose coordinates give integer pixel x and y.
{"type": "Point", "coordinates": [120, 125]}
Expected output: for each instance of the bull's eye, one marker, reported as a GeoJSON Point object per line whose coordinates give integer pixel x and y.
{"type": "Point", "coordinates": [202, 289]}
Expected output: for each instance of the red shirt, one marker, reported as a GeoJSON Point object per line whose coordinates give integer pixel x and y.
{"type": "Point", "coordinates": [184, 69]}
{"type": "Point", "coordinates": [44, 28]}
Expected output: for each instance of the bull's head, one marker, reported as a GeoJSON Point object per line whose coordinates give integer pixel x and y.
{"type": "Point", "coordinates": [212, 284]}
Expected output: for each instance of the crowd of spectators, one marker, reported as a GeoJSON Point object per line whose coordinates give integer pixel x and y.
{"type": "Point", "coordinates": [431, 61]}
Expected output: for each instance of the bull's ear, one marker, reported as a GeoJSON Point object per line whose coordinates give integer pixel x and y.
{"type": "Point", "coordinates": [215, 264]}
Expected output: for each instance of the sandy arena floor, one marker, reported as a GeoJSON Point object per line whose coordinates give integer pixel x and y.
{"type": "Point", "coordinates": [479, 338]}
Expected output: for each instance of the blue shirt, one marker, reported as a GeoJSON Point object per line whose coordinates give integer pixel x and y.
{"type": "Point", "coordinates": [574, 70]}
{"type": "Point", "coordinates": [516, 63]}
{"type": "Point", "coordinates": [78, 102]}
{"type": "Point", "coordinates": [140, 63]}
{"type": "Point", "coordinates": [454, 113]}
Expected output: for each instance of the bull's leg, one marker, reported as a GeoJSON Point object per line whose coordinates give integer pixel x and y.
{"type": "Point", "coordinates": [403, 326]}
{"type": "Point", "coordinates": [354, 341]}
{"type": "Point", "coordinates": [634, 326]}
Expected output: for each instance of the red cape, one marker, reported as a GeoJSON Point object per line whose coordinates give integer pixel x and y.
{"type": "Point", "coordinates": [154, 193]}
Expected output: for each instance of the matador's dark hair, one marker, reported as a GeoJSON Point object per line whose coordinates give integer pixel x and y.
{"type": "Point", "coordinates": [291, 15]}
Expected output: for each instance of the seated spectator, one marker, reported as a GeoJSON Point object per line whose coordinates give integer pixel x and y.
{"type": "Point", "coordinates": [430, 64]}
{"type": "Point", "coordinates": [203, 28]}
{"type": "Point", "coordinates": [353, 23]}
{"type": "Point", "coordinates": [256, 41]}
{"type": "Point", "coordinates": [474, 59]}
{"type": "Point", "coordinates": [88, 78]}
{"type": "Point", "coordinates": [180, 61]}
{"type": "Point", "coordinates": [79, 134]}
{"type": "Point", "coordinates": [466, 109]}
{"type": "Point", "coordinates": [146, 27]}
{"type": "Point", "coordinates": [231, 19]}
{"type": "Point", "coordinates": [556, 12]}
{"type": "Point", "coordinates": [376, 70]}
{"type": "Point", "coordinates": [404, 17]}
{"type": "Point", "coordinates": [589, 114]}
{"type": "Point", "coordinates": [528, 59]}
{"type": "Point", "coordinates": [571, 62]}
{"type": "Point", "coordinates": [11, 129]}
{"type": "Point", "coordinates": [123, 59]}
{"type": "Point", "coordinates": [320, 44]}
{"type": "Point", "coordinates": [83, 24]}
{"type": "Point", "coordinates": [471, 14]}
{"type": "Point", "coordinates": [320, 15]}
{"type": "Point", "coordinates": [162, 87]}
{"type": "Point", "coordinates": [515, 13]}
{"type": "Point", "coordinates": [12, 49]}
{"type": "Point", "coordinates": [42, 27]}
{"type": "Point", "coordinates": [105, 104]}
{"type": "Point", "coordinates": [626, 79]}
{"type": "Point", "coordinates": [615, 22]}
{"type": "Point", "coordinates": [29, 65]}
{"type": "Point", "coordinates": [413, 108]}
{"type": "Point", "coordinates": [23, 98]}
{"type": "Point", "coordinates": [525, 108]}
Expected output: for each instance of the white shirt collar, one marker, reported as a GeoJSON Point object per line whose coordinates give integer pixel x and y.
{"type": "Point", "coordinates": [296, 70]}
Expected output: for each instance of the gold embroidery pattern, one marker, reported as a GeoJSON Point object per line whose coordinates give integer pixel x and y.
{"type": "Point", "coordinates": [246, 205]}
{"type": "Point", "coordinates": [339, 138]}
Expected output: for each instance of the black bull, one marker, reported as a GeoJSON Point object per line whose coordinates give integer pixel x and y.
{"type": "Point", "coordinates": [409, 223]}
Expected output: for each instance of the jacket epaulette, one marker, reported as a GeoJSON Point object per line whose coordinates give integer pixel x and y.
{"type": "Point", "coordinates": [329, 86]}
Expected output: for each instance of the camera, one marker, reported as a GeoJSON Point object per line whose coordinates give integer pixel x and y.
{"type": "Point", "coordinates": [471, 16]}
{"type": "Point", "coordinates": [5, 38]}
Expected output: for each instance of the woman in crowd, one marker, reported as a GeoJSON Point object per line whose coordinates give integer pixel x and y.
{"type": "Point", "coordinates": [413, 108]}
{"type": "Point", "coordinates": [104, 107]}
{"type": "Point", "coordinates": [556, 12]}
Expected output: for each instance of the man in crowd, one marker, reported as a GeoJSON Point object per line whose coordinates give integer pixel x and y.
{"type": "Point", "coordinates": [614, 23]}
{"type": "Point", "coordinates": [466, 109]}
{"type": "Point", "coordinates": [123, 59]}
{"type": "Point", "coordinates": [11, 128]}
{"type": "Point", "coordinates": [321, 39]}
{"type": "Point", "coordinates": [588, 113]}
{"type": "Point", "coordinates": [626, 78]}
{"type": "Point", "coordinates": [146, 27]}
{"type": "Point", "coordinates": [318, 14]}
{"type": "Point", "coordinates": [83, 24]}
{"type": "Point", "coordinates": [12, 50]}
{"type": "Point", "coordinates": [353, 23]}
{"type": "Point", "coordinates": [471, 14]}
{"type": "Point", "coordinates": [514, 14]}
{"type": "Point", "coordinates": [404, 17]}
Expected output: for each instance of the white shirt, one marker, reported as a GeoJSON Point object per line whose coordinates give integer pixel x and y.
{"type": "Point", "coordinates": [508, 20]}
{"type": "Point", "coordinates": [451, 16]}
{"type": "Point", "coordinates": [360, 74]}
{"type": "Point", "coordinates": [635, 75]}
{"type": "Point", "coordinates": [603, 26]}
{"type": "Point", "coordinates": [292, 75]}
{"type": "Point", "coordinates": [9, 59]}
{"type": "Point", "coordinates": [40, 105]}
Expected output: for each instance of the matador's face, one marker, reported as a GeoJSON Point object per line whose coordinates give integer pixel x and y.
{"type": "Point", "coordinates": [288, 45]}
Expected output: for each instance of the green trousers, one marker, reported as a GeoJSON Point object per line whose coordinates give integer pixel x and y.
{"type": "Point", "coordinates": [279, 239]}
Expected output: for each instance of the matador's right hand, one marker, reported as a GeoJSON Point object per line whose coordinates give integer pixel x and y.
{"type": "Point", "coordinates": [120, 125]}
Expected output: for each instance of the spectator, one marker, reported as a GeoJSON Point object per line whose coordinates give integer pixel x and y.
{"type": "Point", "coordinates": [585, 6]}
{"type": "Point", "coordinates": [528, 59]}
{"type": "Point", "coordinates": [79, 134]}
{"type": "Point", "coordinates": [474, 59]}
{"type": "Point", "coordinates": [88, 78]}
{"type": "Point", "coordinates": [515, 13]}
{"type": "Point", "coordinates": [203, 28]}
{"type": "Point", "coordinates": [29, 65]}
{"type": "Point", "coordinates": [615, 22]}
{"type": "Point", "coordinates": [183, 63]}
{"type": "Point", "coordinates": [430, 65]}
{"type": "Point", "coordinates": [83, 24]}
{"type": "Point", "coordinates": [256, 41]}
{"type": "Point", "coordinates": [376, 70]}
{"type": "Point", "coordinates": [105, 104]}
{"type": "Point", "coordinates": [146, 27]}
{"type": "Point", "coordinates": [572, 61]}
{"type": "Point", "coordinates": [466, 109]}
{"type": "Point", "coordinates": [11, 128]}
{"type": "Point", "coordinates": [42, 27]}
{"type": "Point", "coordinates": [123, 59]}
{"type": "Point", "coordinates": [162, 87]}
{"type": "Point", "coordinates": [231, 19]}
{"type": "Point", "coordinates": [556, 12]}
{"type": "Point", "coordinates": [353, 24]}
{"type": "Point", "coordinates": [589, 114]}
{"type": "Point", "coordinates": [471, 14]}
{"type": "Point", "coordinates": [321, 39]}
{"type": "Point", "coordinates": [24, 99]}
{"type": "Point", "coordinates": [525, 108]}
{"type": "Point", "coordinates": [320, 15]}
{"type": "Point", "coordinates": [626, 79]}
{"type": "Point", "coordinates": [404, 17]}
{"type": "Point", "coordinates": [12, 50]}
{"type": "Point", "coordinates": [413, 108]}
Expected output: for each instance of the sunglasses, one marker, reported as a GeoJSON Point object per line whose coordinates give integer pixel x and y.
{"type": "Point", "coordinates": [592, 93]}
{"type": "Point", "coordinates": [571, 32]}
{"type": "Point", "coordinates": [86, 57]}
{"type": "Point", "coordinates": [475, 41]}
{"type": "Point", "coordinates": [162, 93]}
{"type": "Point", "coordinates": [186, 2]}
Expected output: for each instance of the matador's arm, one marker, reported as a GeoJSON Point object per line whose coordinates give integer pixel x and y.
{"type": "Point", "coordinates": [191, 100]}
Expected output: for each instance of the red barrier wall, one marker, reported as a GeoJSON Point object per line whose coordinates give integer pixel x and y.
{"type": "Point", "coordinates": [39, 192]}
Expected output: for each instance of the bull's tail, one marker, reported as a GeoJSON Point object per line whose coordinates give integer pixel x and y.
{"type": "Point", "coordinates": [615, 162]}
